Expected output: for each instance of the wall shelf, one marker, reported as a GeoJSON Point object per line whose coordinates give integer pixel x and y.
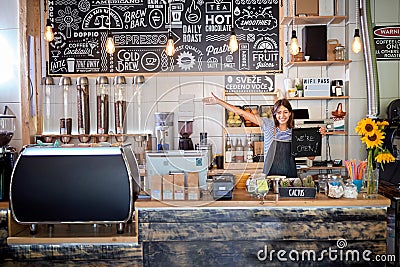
{"type": "Point", "coordinates": [318, 97]}
{"type": "Point", "coordinates": [322, 168]}
{"type": "Point", "coordinates": [313, 20]}
{"type": "Point", "coordinates": [337, 133]}
{"type": "Point", "coordinates": [317, 63]}
{"type": "Point", "coordinates": [250, 93]}
{"type": "Point", "coordinates": [245, 166]}
{"type": "Point", "coordinates": [243, 130]}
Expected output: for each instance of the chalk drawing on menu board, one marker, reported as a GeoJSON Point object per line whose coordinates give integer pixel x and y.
{"type": "Point", "coordinates": [200, 28]}
{"type": "Point", "coordinates": [306, 142]}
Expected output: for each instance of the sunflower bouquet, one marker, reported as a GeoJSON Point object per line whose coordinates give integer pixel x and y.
{"type": "Point", "coordinates": [372, 134]}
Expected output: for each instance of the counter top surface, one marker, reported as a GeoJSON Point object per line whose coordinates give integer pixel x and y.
{"type": "Point", "coordinates": [241, 199]}
{"type": "Point", "coordinates": [4, 205]}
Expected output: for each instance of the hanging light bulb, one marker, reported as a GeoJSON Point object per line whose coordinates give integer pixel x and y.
{"type": "Point", "coordinates": [110, 46]}
{"type": "Point", "coordinates": [233, 42]}
{"type": "Point", "coordinates": [170, 48]}
{"type": "Point", "coordinates": [48, 33]}
{"type": "Point", "coordinates": [357, 44]}
{"type": "Point", "coordinates": [294, 44]}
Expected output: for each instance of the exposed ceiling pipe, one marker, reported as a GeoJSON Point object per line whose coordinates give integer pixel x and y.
{"type": "Point", "coordinates": [373, 102]}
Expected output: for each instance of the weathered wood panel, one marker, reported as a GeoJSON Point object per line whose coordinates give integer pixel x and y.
{"type": "Point", "coordinates": [265, 214]}
{"type": "Point", "coordinates": [3, 233]}
{"type": "Point", "coordinates": [232, 237]}
{"type": "Point", "coordinates": [224, 231]}
{"type": "Point", "coordinates": [77, 252]}
{"type": "Point", "coordinates": [244, 253]}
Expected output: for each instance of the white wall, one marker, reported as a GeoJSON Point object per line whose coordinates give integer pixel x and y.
{"type": "Point", "coordinates": [9, 64]}
{"type": "Point", "coordinates": [386, 12]}
{"type": "Point", "coordinates": [161, 92]}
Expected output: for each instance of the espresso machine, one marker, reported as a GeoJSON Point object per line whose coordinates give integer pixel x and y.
{"type": "Point", "coordinates": [8, 154]}
{"type": "Point", "coordinates": [185, 130]}
{"type": "Point", "coordinates": [164, 130]}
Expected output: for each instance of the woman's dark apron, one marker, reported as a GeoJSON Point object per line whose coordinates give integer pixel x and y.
{"type": "Point", "coordinates": [279, 160]}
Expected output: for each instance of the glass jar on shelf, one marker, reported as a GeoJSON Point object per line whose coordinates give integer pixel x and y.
{"type": "Point", "coordinates": [102, 103]}
{"type": "Point", "coordinates": [335, 188]}
{"type": "Point", "coordinates": [350, 190]}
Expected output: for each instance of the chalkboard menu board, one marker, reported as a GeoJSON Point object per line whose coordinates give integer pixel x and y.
{"type": "Point", "coordinates": [387, 42]}
{"type": "Point", "coordinates": [200, 28]}
{"type": "Point", "coordinates": [306, 142]}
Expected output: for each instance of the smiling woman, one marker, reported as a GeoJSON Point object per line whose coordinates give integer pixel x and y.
{"type": "Point", "coordinates": [277, 135]}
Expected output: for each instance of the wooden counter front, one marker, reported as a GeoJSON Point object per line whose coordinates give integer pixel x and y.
{"type": "Point", "coordinates": [231, 233]}
{"type": "Point", "coordinates": [220, 233]}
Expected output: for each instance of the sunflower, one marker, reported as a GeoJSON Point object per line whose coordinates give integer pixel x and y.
{"type": "Point", "coordinates": [384, 157]}
{"type": "Point", "coordinates": [366, 127]}
{"type": "Point", "coordinates": [373, 140]}
{"type": "Point", "coordinates": [382, 124]}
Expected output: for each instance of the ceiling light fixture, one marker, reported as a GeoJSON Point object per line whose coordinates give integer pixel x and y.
{"type": "Point", "coordinates": [110, 46]}
{"type": "Point", "coordinates": [233, 42]}
{"type": "Point", "coordinates": [48, 31]}
{"type": "Point", "coordinates": [294, 43]}
{"type": "Point", "coordinates": [357, 44]}
{"type": "Point", "coordinates": [170, 48]}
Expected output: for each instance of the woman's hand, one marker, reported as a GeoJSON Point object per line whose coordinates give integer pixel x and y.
{"type": "Point", "coordinates": [322, 130]}
{"type": "Point", "coordinates": [211, 100]}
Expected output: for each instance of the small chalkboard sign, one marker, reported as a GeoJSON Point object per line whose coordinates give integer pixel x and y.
{"type": "Point", "coordinates": [306, 142]}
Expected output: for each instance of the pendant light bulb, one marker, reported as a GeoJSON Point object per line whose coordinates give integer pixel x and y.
{"type": "Point", "coordinates": [110, 46]}
{"type": "Point", "coordinates": [48, 33]}
{"type": "Point", "coordinates": [233, 42]}
{"type": "Point", "coordinates": [294, 44]}
{"type": "Point", "coordinates": [170, 48]}
{"type": "Point", "coordinates": [357, 44]}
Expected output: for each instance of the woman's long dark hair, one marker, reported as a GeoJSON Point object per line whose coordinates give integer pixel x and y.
{"type": "Point", "coordinates": [283, 102]}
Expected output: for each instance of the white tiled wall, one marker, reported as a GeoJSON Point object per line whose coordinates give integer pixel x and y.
{"type": "Point", "coordinates": [9, 64]}
{"type": "Point", "coordinates": [161, 92]}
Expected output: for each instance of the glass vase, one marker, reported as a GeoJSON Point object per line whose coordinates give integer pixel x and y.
{"type": "Point", "coordinates": [371, 179]}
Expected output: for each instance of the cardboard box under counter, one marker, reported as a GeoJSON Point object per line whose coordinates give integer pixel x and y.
{"type": "Point", "coordinates": [168, 187]}
{"type": "Point", "coordinates": [179, 186]}
{"type": "Point", "coordinates": [156, 187]}
{"type": "Point", "coordinates": [193, 186]}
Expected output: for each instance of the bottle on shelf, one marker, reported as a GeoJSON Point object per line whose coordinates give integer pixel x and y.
{"type": "Point", "coordinates": [233, 152]}
{"type": "Point", "coordinates": [338, 89]}
{"type": "Point", "coordinates": [239, 151]}
{"type": "Point", "coordinates": [249, 153]}
{"type": "Point", "coordinates": [228, 150]}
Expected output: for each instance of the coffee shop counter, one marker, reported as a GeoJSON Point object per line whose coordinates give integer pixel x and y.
{"type": "Point", "coordinates": [232, 232]}
{"type": "Point", "coordinates": [225, 232]}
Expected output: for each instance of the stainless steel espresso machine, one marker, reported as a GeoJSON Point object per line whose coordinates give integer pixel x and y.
{"type": "Point", "coordinates": [8, 154]}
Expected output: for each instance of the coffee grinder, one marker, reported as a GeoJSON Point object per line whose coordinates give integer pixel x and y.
{"type": "Point", "coordinates": [8, 154]}
{"type": "Point", "coordinates": [164, 130]}
{"type": "Point", "coordinates": [185, 130]}
{"type": "Point", "coordinates": [204, 146]}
